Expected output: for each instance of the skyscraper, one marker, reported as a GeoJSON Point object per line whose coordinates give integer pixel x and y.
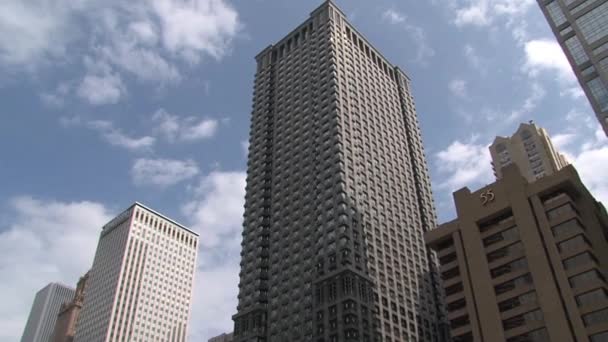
{"type": "Point", "coordinates": [338, 196]}
{"type": "Point", "coordinates": [526, 261]}
{"type": "Point", "coordinates": [531, 149]}
{"type": "Point", "coordinates": [41, 322]}
{"type": "Point", "coordinates": [140, 285]}
{"type": "Point", "coordinates": [581, 28]}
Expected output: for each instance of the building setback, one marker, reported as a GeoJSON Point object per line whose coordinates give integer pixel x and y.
{"type": "Point", "coordinates": [43, 315]}
{"type": "Point", "coordinates": [531, 149]}
{"type": "Point", "coordinates": [581, 28]}
{"type": "Point", "coordinates": [526, 261]}
{"type": "Point", "coordinates": [140, 285]}
{"type": "Point", "coordinates": [338, 196]}
{"type": "Point", "coordinates": [65, 328]}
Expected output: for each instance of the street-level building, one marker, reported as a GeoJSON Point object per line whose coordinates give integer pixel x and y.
{"type": "Point", "coordinates": [140, 285]}
{"type": "Point", "coordinates": [222, 338]}
{"type": "Point", "coordinates": [526, 261]}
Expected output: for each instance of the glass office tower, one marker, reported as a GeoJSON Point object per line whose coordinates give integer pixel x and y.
{"type": "Point", "coordinates": [581, 28]}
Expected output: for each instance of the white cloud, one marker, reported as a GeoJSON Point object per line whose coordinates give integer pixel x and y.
{"type": "Point", "coordinates": [537, 93]}
{"type": "Point", "coordinates": [198, 26]}
{"type": "Point", "coordinates": [174, 128]}
{"type": "Point", "coordinates": [474, 60]}
{"type": "Point", "coordinates": [393, 16]}
{"type": "Point", "coordinates": [56, 98]}
{"type": "Point", "coordinates": [245, 147]}
{"type": "Point", "coordinates": [546, 54]}
{"type": "Point", "coordinates": [147, 39]}
{"type": "Point", "coordinates": [423, 49]}
{"type": "Point", "coordinates": [102, 89]}
{"type": "Point", "coordinates": [458, 88]}
{"type": "Point", "coordinates": [46, 241]}
{"type": "Point", "coordinates": [463, 164]}
{"type": "Point", "coordinates": [162, 172]}
{"type": "Point", "coordinates": [217, 207]}
{"type": "Point", "coordinates": [117, 138]}
{"type": "Point", "coordinates": [216, 212]}
{"type": "Point", "coordinates": [485, 12]}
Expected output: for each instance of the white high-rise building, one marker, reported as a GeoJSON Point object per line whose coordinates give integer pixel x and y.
{"type": "Point", "coordinates": [41, 322]}
{"type": "Point", "coordinates": [140, 285]}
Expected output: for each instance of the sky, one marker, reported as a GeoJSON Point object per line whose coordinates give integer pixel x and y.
{"type": "Point", "coordinates": [107, 102]}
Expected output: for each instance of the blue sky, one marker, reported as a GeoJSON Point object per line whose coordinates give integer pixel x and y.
{"type": "Point", "coordinates": [109, 102]}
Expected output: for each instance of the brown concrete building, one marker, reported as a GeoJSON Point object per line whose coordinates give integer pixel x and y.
{"type": "Point", "coordinates": [531, 149]}
{"type": "Point", "coordinates": [526, 261]}
{"type": "Point", "coordinates": [65, 327]}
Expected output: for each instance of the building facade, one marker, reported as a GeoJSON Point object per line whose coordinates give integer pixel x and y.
{"type": "Point", "coordinates": [65, 328]}
{"type": "Point", "coordinates": [338, 196]}
{"type": "Point", "coordinates": [581, 28]}
{"type": "Point", "coordinates": [531, 149]}
{"type": "Point", "coordinates": [526, 261]}
{"type": "Point", "coordinates": [43, 315]}
{"type": "Point", "coordinates": [140, 285]}
{"type": "Point", "coordinates": [222, 338]}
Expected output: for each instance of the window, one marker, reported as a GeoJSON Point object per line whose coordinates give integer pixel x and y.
{"type": "Point", "coordinates": [594, 24]}
{"type": "Point", "coordinates": [526, 279]}
{"type": "Point", "coordinates": [578, 260]}
{"type": "Point", "coordinates": [539, 335]}
{"type": "Point", "coordinates": [568, 227]}
{"type": "Point", "coordinates": [601, 337]}
{"type": "Point", "coordinates": [585, 278]}
{"type": "Point", "coordinates": [577, 243]}
{"type": "Point", "coordinates": [517, 321]}
{"type": "Point", "coordinates": [508, 234]}
{"type": "Point", "coordinates": [561, 210]}
{"type": "Point", "coordinates": [511, 303]}
{"type": "Point", "coordinates": [556, 14]}
{"type": "Point", "coordinates": [505, 251]}
{"type": "Point", "coordinates": [574, 46]}
{"type": "Point", "coordinates": [591, 297]}
{"type": "Point", "coordinates": [517, 265]}
{"type": "Point", "coordinates": [596, 317]}
{"type": "Point", "coordinates": [599, 92]}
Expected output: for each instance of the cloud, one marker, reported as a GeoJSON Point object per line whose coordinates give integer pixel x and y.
{"type": "Point", "coordinates": [116, 137]}
{"type": "Point", "coordinates": [150, 40]}
{"type": "Point", "coordinates": [463, 164]}
{"type": "Point", "coordinates": [537, 93]}
{"type": "Point", "coordinates": [474, 60]}
{"type": "Point", "coordinates": [216, 212]}
{"type": "Point", "coordinates": [100, 90]}
{"type": "Point", "coordinates": [547, 55]}
{"type": "Point", "coordinates": [162, 172]}
{"type": "Point", "coordinates": [56, 98]}
{"type": "Point", "coordinates": [174, 128]}
{"type": "Point", "coordinates": [458, 88]}
{"type": "Point", "coordinates": [217, 206]}
{"type": "Point", "coordinates": [484, 12]}
{"type": "Point", "coordinates": [423, 49]}
{"type": "Point", "coordinates": [45, 241]}
{"type": "Point", "coordinates": [393, 16]}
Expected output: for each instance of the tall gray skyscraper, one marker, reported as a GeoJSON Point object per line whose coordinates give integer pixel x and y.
{"type": "Point", "coordinates": [41, 322]}
{"type": "Point", "coordinates": [581, 27]}
{"type": "Point", "coordinates": [338, 196]}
